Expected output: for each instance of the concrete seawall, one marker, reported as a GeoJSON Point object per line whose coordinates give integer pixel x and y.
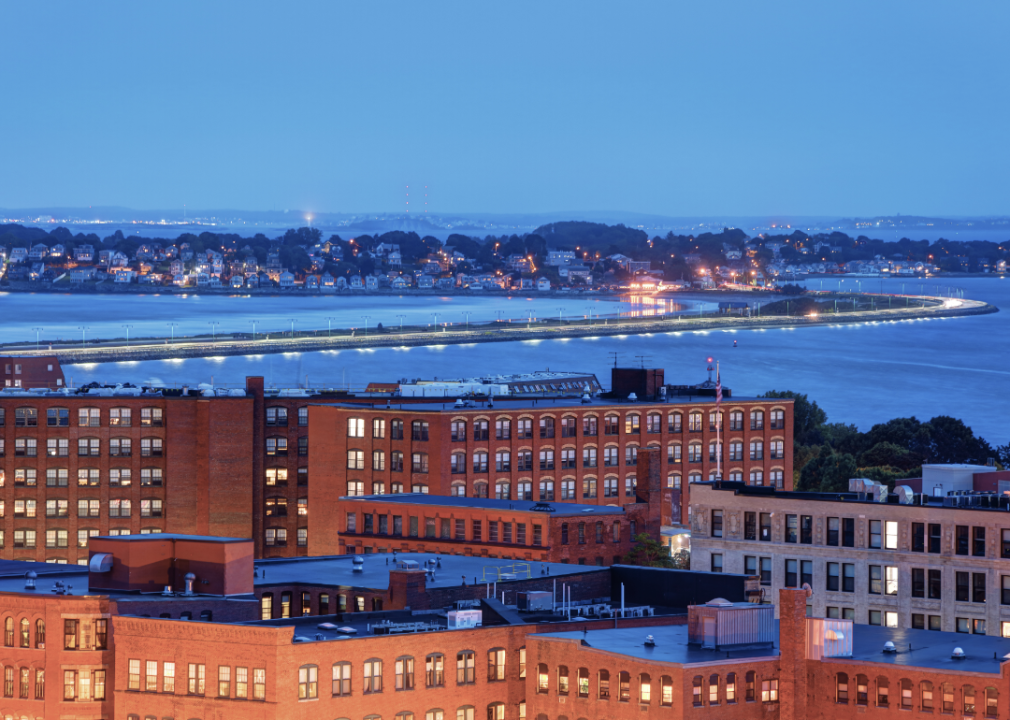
{"type": "Point", "coordinates": [147, 350]}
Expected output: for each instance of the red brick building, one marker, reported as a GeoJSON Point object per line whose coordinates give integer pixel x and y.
{"type": "Point", "coordinates": [31, 372]}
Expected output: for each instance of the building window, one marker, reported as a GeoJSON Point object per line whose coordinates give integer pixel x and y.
{"type": "Point", "coordinates": [770, 691]}
{"type": "Point", "coordinates": [341, 679]}
{"type": "Point", "coordinates": [308, 682]}
{"type": "Point", "coordinates": [717, 563]}
{"type": "Point", "coordinates": [434, 670]}
{"type": "Point", "coordinates": [355, 427]}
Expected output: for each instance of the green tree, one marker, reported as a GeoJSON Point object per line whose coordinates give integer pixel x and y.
{"type": "Point", "coordinates": [828, 472]}
{"type": "Point", "coordinates": [951, 441]}
{"type": "Point", "coordinates": [807, 416]}
{"type": "Point", "coordinates": [648, 553]}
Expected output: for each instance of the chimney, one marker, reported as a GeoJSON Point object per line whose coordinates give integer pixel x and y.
{"type": "Point", "coordinates": [793, 653]}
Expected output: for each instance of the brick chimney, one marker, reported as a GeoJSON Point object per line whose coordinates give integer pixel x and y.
{"type": "Point", "coordinates": [407, 589]}
{"type": "Point", "coordinates": [793, 653]}
{"type": "Point", "coordinates": [651, 490]}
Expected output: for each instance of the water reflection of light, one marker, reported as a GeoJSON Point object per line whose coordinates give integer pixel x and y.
{"type": "Point", "coordinates": [291, 354]}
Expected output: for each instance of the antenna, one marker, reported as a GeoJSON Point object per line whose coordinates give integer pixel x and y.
{"type": "Point", "coordinates": [426, 199]}
{"type": "Point", "coordinates": [615, 356]}
{"type": "Point", "coordinates": [641, 359]}
{"type": "Point", "coordinates": [407, 195]}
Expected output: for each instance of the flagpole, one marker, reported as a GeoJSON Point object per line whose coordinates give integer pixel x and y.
{"type": "Point", "coordinates": [718, 422]}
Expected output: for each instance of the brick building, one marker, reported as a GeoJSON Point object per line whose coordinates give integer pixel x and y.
{"type": "Point", "coordinates": [75, 463]}
{"type": "Point", "coordinates": [896, 560]}
{"type": "Point", "coordinates": [26, 373]}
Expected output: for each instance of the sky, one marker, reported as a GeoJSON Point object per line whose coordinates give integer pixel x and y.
{"type": "Point", "coordinates": [674, 108]}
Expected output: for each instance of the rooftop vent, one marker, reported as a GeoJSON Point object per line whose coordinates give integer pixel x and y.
{"type": "Point", "coordinates": [586, 399]}
{"type": "Point", "coordinates": [459, 403]}
{"type": "Point", "coordinates": [358, 564]}
{"type": "Point", "coordinates": [719, 602]}
{"type": "Point", "coordinates": [30, 577]}
{"type": "Point", "coordinates": [889, 647]}
{"type": "Point", "coordinates": [958, 654]}
{"type": "Point", "coordinates": [906, 496]}
{"type": "Point", "coordinates": [632, 397]}
{"type": "Point", "coordinates": [542, 507]}
{"type": "Point", "coordinates": [650, 641]}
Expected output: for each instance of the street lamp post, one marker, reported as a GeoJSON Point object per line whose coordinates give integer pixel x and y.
{"type": "Point", "coordinates": [84, 329]}
{"type": "Point", "coordinates": [529, 323]}
{"type": "Point", "coordinates": [173, 326]}
{"type": "Point", "coordinates": [590, 311]}
{"type": "Point", "coordinates": [254, 323]}
{"type": "Point", "coordinates": [213, 329]}
{"type": "Point", "coordinates": [37, 331]}
{"type": "Point", "coordinates": [560, 310]}
{"type": "Point", "coordinates": [401, 322]}
{"type": "Point", "coordinates": [329, 326]}
{"type": "Point", "coordinates": [127, 334]}
{"type": "Point", "coordinates": [366, 318]}
{"type": "Point", "coordinates": [435, 315]}
{"type": "Point", "coordinates": [292, 321]}
{"type": "Point", "coordinates": [466, 313]}
{"type": "Point", "coordinates": [498, 313]}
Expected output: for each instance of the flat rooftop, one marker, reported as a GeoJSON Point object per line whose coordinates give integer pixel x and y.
{"type": "Point", "coordinates": [561, 509]}
{"type": "Point", "coordinates": [929, 648]}
{"type": "Point", "coordinates": [151, 537]}
{"type": "Point", "coordinates": [511, 403]}
{"type": "Point", "coordinates": [338, 570]}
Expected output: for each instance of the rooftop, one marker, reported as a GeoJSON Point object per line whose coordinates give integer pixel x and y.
{"type": "Point", "coordinates": [510, 403]}
{"type": "Point", "coordinates": [450, 570]}
{"type": "Point", "coordinates": [929, 648]}
{"type": "Point", "coordinates": [173, 536]}
{"type": "Point", "coordinates": [564, 509]}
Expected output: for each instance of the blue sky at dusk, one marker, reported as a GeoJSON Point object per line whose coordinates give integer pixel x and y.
{"type": "Point", "coordinates": [674, 108]}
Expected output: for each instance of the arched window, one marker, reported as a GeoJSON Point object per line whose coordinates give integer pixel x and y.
{"type": "Point", "coordinates": [9, 632]}
{"type": "Point", "coordinates": [496, 664]}
{"type": "Point", "coordinates": [694, 421]}
{"type": "Point", "coordinates": [968, 693]}
{"type": "Point", "coordinates": [308, 682]}
{"type": "Point", "coordinates": [404, 715]}
{"type": "Point", "coordinates": [730, 688]}
{"type": "Point", "coordinates": [926, 696]}
{"type": "Point", "coordinates": [842, 688]}
{"type": "Point", "coordinates": [40, 633]}
{"type": "Point", "coordinates": [341, 679]}
{"type": "Point", "coordinates": [464, 712]}
{"type": "Point", "coordinates": [604, 685]}
{"type": "Point", "coordinates": [373, 676]}
{"type": "Point", "coordinates": [542, 678]}
{"type": "Point", "coordinates": [434, 671]}
{"type": "Point", "coordinates": [991, 702]}
{"type": "Point", "coordinates": [267, 606]}
{"type": "Point", "coordinates": [862, 690]}
{"type": "Point", "coordinates": [465, 667]}
{"type": "Point", "coordinates": [883, 691]}
{"type": "Point", "coordinates": [713, 689]}
{"type": "Point", "coordinates": [906, 693]}
{"type": "Point", "coordinates": [562, 680]}
{"type": "Point", "coordinates": [645, 688]}
{"type": "Point", "coordinates": [624, 680]}
{"type": "Point", "coordinates": [696, 691]}
{"type": "Point", "coordinates": [435, 714]}
{"type": "Point", "coordinates": [749, 686]}
{"type": "Point", "coordinates": [26, 633]}
{"type": "Point", "coordinates": [583, 682]}
{"type": "Point", "coordinates": [947, 690]}
{"type": "Point", "coordinates": [404, 670]}
{"type": "Point", "coordinates": [496, 711]}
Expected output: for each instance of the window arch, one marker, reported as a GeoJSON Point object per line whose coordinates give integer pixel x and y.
{"type": "Point", "coordinates": [624, 681]}
{"type": "Point", "coordinates": [404, 672]}
{"type": "Point", "coordinates": [464, 712]}
{"type": "Point", "coordinates": [991, 702]}
{"type": "Point", "coordinates": [603, 682]}
{"type": "Point", "coordinates": [905, 686]}
{"type": "Point", "coordinates": [730, 688]}
{"type": "Point", "coordinates": [341, 679]}
{"type": "Point", "coordinates": [968, 698]}
{"type": "Point", "coordinates": [543, 681]}
{"type": "Point", "coordinates": [583, 680]}
{"type": "Point", "coordinates": [862, 690]}
{"type": "Point", "coordinates": [404, 715]}
{"type": "Point", "coordinates": [645, 688]}
{"type": "Point", "coordinates": [9, 631]}
{"type": "Point", "coordinates": [749, 686]}
{"type": "Point", "coordinates": [926, 696]}
{"type": "Point", "coordinates": [373, 676]}
{"type": "Point", "coordinates": [308, 682]}
{"type": "Point", "coordinates": [947, 690]}
{"type": "Point", "coordinates": [435, 714]}
{"type": "Point", "coordinates": [883, 691]}
{"type": "Point", "coordinates": [713, 689]}
{"type": "Point", "coordinates": [40, 633]}
{"type": "Point", "coordinates": [496, 711]}
{"type": "Point", "coordinates": [694, 421]}
{"type": "Point", "coordinates": [496, 664]}
{"type": "Point", "coordinates": [26, 633]}
{"type": "Point", "coordinates": [562, 680]}
{"type": "Point", "coordinates": [434, 670]}
{"type": "Point", "coordinates": [696, 691]}
{"type": "Point", "coordinates": [842, 688]}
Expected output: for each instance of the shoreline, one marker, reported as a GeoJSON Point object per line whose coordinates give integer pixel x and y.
{"type": "Point", "coordinates": [163, 351]}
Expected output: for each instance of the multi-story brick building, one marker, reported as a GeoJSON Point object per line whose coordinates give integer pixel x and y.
{"type": "Point", "coordinates": [900, 560]}
{"type": "Point", "coordinates": [80, 462]}
{"type": "Point", "coordinates": [32, 372]}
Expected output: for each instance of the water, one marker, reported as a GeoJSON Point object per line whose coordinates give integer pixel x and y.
{"type": "Point", "coordinates": [860, 374]}
{"type": "Point", "coordinates": [61, 316]}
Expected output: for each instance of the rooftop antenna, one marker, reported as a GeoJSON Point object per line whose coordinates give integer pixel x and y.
{"type": "Point", "coordinates": [426, 199]}
{"type": "Point", "coordinates": [615, 356]}
{"type": "Point", "coordinates": [641, 359]}
{"type": "Point", "coordinates": [407, 193]}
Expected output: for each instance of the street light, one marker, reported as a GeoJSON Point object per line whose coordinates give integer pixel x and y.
{"type": "Point", "coordinates": [213, 329]}
{"type": "Point", "coordinates": [366, 318]}
{"type": "Point", "coordinates": [560, 310]}
{"type": "Point", "coordinates": [253, 323]}
{"type": "Point", "coordinates": [590, 311]}
{"type": "Point", "coordinates": [84, 329]}
{"type": "Point", "coordinates": [292, 321]}
{"type": "Point", "coordinates": [329, 326]}
{"type": "Point", "coordinates": [498, 313]}
{"type": "Point", "coordinates": [127, 334]}
{"type": "Point", "coordinates": [435, 315]}
{"type": "Point", "coordinates": [37, 331]}
{"type": "Point", "coordinates": [401, 322]}
{"type": "Point", "coordinates": [467, 314]}
{"type": "Point", "coordinates": [529, 322]}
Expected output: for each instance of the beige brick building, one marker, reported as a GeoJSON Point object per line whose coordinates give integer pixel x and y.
{"type": "Point", "coordinates": [926, 566]}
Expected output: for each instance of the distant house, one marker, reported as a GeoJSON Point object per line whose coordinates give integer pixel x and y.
{"type": "Point", "coordinates": [560, 257]}
{"type": "Point", "coordinates": [312, 282]}
{"type": "Point", "coordinates": [19, 255]}
{"type": "Point", "coordinates": [215, 281]}
{"type": "Point", "coordinates": [236, 282]}
{"type": "Point", "coordinates": [82, 275]}
{"type": "Point", "coordinates": [180, 280]}
{"type": "Point", "coordinates": [371, 282]}
{"type": "Point", "coordinates": [150, 279]}
{"type": "Point", "coordinates": [526, 284]}
{"type": "Point", "coordinates": [444, 283]}
{"type": "Point", "coordinates": [84, 253]}
{"type": "Point", "coordinates": [357, 283]}
{"type": "Point", "coordinates": [38, 252]}
{"type": "Point", "coordinates": [400, 283]}
{"type": "Point", "coordinates": [326, 282]}
{"type": "Point", "coordinates": [252, 282]}
{"type": "Point", "coordinates": [340, 283]}
{"type": "Point", "coordinates": [36, 271]}
{"type": "Point", "coordinates": [543, 284]}
{"type": "Point", "coordinates": [124, 276]}
{"type": "Point", "coordinates": [177, 267]}
{"type": "Point", "coordinates": [57, 251]}
{"type": "Point", "coordinates": [202, 279]}
{"type": "Point", "coordinates": [425, 282]}
{"type": "Point", "coordinates": [286, 280]}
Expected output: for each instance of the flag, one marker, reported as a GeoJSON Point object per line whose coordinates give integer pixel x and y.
{"type": "Point", "coordinates": [718, 387]}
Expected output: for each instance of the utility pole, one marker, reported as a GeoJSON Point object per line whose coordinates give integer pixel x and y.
{"type": "Point", "coordinates": [127, 334]}
{"type": "Point", "coordinates": [37, 331]}
{"type": "Point", "coordinates": [173, 326]}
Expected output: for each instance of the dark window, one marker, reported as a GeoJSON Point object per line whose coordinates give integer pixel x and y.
{"type": "Point", "coordinates": [750, 526]}
{"type": "Point", "coordinates": [978, 542]}
{"type": "Point", "coordinates": [792, 523]}
{"type": "Point", "coordinates": [848, 532]}
{"type": "Point", "coordinates": [766, 527]}
{"type": "Point", "coordinates": [833, 528]}
{"type": "Point", "coordinates": [806, 529]}
{"type": "Point", "coordinates": [918, 582]}
{"type": "Point", "coordinates": [935, 584]}
{"type": "Point", "coordinates": [792, 572]}
{"type": "Point", "coordinates": [934, 538]}
{"type": "Point", "coordinates": [1005, 590]}
{"type": "Point", "coordinates": [961, 587]}
{"type": "Point", "coordinates": [978, 587]}
{"type": "Point", "coordinates": [961, 540]}
{"type": "Point", "coordinates": [807, 572]}
{"type": "Point", "coordinates": [848, 577]}
{"type": "Point", "coordinates": [918, 537]}
{"type": "Point", "coordinates": [833, 577]}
